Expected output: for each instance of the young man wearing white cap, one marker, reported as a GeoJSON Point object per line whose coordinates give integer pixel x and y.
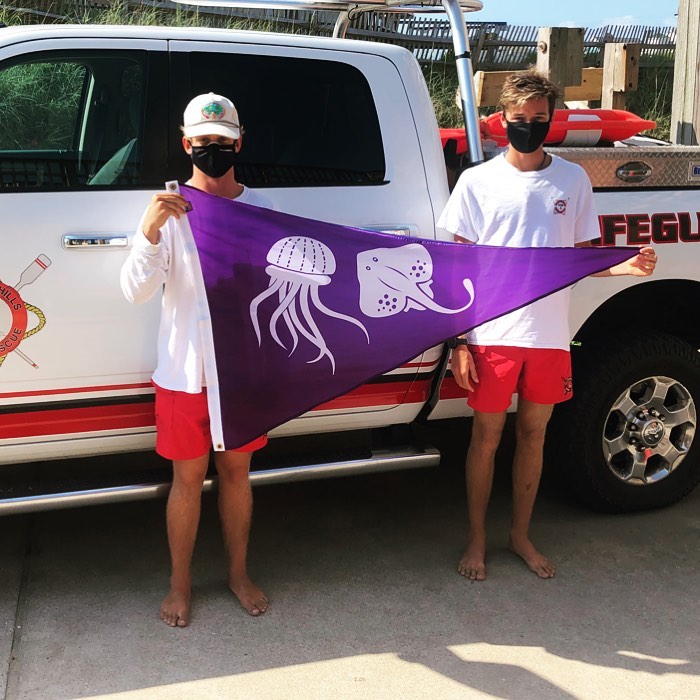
{"type": "Point", "coordinates": [212, 138]}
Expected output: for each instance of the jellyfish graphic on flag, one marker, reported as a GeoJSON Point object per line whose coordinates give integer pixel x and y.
{"type": "Point", "coordinates": [298, 267]}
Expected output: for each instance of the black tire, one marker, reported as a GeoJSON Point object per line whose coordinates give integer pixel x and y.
{"type": "Point", "coordinates": [585, 437]}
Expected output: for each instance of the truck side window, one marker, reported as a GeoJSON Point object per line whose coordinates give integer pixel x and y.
{"type": "Point", "coordinates": [40, 104]}
{"type": "Point", "coordinates": [307, 122]}
{"type": "Point", "coordinates": [71, 121]}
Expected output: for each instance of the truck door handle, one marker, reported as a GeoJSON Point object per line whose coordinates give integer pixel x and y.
{"type": "Point", "coordinates": [95, 240]}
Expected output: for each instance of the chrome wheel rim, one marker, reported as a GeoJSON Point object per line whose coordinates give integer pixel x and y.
{"type": "Point", "coordinates": [649, 430]}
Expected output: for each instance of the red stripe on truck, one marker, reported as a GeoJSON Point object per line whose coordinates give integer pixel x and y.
{"type": "Point", "coordinates": [64, 420]}
{"type": "Point", "coordinates": [75, 390]}
{"type": "Point", "coordinates": [449, 389]}
{"type": "Point", "coordinates": [68, 421]}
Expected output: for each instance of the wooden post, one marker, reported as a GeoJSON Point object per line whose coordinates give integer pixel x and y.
{"type": "Point", "coordinates": [476, 50]}
{"type": "Point", "coordinates": [620, 74]}
{"type": "Point", "coordinates": [685, 113]}
{"type": "Point", "coordinates": [560, 56]}
{"type": "Point", "coordinates": [488, 86]}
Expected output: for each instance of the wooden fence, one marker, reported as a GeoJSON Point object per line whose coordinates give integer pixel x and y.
{"type": "Point", "coordinates": [495, 45]}
{"type": "Point", "coordinates": [498, 46]}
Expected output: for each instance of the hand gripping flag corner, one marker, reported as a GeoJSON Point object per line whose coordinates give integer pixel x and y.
{"type": "Point", "coordinates": [296, 312]}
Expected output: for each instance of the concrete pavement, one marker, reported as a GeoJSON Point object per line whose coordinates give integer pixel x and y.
{"type": "Point", "coordinates": [366, 601]}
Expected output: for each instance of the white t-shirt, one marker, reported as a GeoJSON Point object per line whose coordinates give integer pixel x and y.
{"type": "Point", "coordinates": [146, 270]}
{"type": "Point", "coordinates": [496, 204]}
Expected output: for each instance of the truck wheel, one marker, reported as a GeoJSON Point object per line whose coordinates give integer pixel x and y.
{"type": "Point", "coordinates": [627, 440]}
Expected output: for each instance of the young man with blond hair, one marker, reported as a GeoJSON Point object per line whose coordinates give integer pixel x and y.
{"type": "Point", "coordinates": [524, 197]}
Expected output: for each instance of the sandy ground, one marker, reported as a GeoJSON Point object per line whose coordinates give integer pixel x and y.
{"type": "Point", "coordinates": [366, 600]}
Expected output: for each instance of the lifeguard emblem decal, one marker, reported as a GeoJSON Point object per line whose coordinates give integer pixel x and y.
{"type": "Point", "coordinates": [560, 206]}
{"type": "Point", "coordinates": [10, 338]}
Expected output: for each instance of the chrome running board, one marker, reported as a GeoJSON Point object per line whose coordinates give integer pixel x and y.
{"type": "Point", "coordinates": [379, 461]}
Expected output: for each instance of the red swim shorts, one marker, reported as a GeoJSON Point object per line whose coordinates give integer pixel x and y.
{"type": "Point", "coordinates": [182, 425]}
{"type": "Point", "coordinates": [540, 375]}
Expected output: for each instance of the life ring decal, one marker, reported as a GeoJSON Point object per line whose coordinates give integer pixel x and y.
{"type": "Point", "coordinates": [18, 324]}
{"type": "Point", "coordinates": [19, 310]}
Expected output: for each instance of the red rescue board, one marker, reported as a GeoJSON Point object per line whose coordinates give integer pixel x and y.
{"type": "Point", "coordinates": [456, 134]}
{"type": "Point", "coordinates": [580, 127]}
{"type": "Point", "coordinates": [573, 127]}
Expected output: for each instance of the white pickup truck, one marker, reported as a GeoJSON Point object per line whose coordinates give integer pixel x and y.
{"type": "Point", "coordinates": [337, 130]}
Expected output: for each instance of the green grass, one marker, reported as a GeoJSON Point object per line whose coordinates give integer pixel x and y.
{"type": "Point", "coordinates": [654, 97]}
{"type": "Point", "coordinates": [442, 82]}
{"type": "Point", "coordinates": [39, 105]}
{"type": "Point", "coordinates": [123, 13]}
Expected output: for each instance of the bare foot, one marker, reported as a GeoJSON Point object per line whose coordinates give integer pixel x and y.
{"type": "Point", "coordinates": [175, 609]}
{"type": "Point", "coordinates": [535, 561]}
{"type": "Point", "coordinates": [472, 564]}
{"type": "Point", "coordinates": [249, 596]}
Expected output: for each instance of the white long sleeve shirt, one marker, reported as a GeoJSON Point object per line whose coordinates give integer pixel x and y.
{"type": "Point", "coordinates": [151, 267]}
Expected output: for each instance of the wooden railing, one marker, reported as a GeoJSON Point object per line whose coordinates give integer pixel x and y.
{"type": "Point", "coordinates": [507, 47]}
{"type": "Point", "coordinates": [495, 45]}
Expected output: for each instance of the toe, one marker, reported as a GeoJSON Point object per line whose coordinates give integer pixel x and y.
{"type": "Point", "coordinates": [545, 570]}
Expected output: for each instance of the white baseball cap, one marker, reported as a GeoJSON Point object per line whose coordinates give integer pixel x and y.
{"type": "Point", "coordinates": [211, 114]}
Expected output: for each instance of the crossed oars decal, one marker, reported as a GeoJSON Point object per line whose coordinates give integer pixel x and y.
{"type": "Point", "coordinates": [18, 310]}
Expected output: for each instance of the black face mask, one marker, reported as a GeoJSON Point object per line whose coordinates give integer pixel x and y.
{"type": "Point", "coordinates": [214, 160]}
{"type": "Point", "coordinates": [526, 138]}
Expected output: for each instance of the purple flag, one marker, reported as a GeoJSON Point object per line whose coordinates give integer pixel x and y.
{"type": "Point", "coordinates": [296, 312]}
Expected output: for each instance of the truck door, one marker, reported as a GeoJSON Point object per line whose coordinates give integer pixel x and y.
{"type": "Point", "coordinates": [81, 150]}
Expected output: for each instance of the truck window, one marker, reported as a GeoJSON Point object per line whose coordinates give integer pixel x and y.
{"type": "Point", "coordinates": [71, 121]}
{"type": "Point", "coordinates": [40, 104]}
{"type": "Point", "coordinates": [307, 122]}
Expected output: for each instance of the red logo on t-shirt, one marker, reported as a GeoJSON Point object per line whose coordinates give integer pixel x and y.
{"type": "Point", "coordinates": [560, 206]}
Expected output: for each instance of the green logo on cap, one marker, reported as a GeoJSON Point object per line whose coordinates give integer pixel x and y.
{"type": "Point", "coordinates": [213, 111]}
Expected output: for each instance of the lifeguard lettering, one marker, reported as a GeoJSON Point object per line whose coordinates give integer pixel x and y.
{"type": "Point", "coordinates": [643, 229]}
